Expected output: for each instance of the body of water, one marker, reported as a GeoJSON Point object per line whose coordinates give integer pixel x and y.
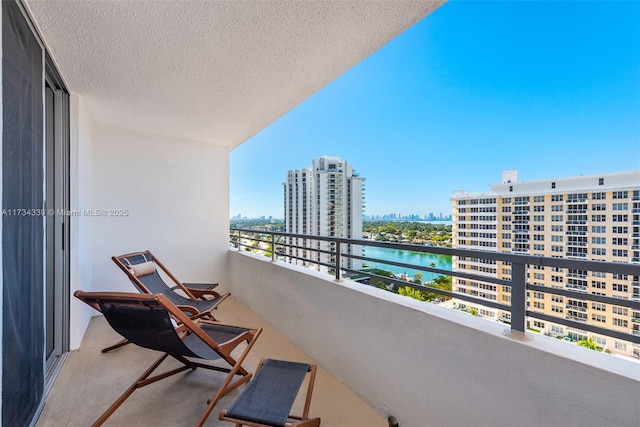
{"type": "Point", "coordinates": [408, 257]}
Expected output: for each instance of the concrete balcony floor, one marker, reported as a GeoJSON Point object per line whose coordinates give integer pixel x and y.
{"type": "Point", "coordinates": [90, 381]}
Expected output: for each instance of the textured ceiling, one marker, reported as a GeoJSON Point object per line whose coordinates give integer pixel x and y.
{"type": "Point", "coordinates": [213, 71]}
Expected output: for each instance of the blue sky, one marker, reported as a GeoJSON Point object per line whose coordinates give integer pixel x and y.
{"type": "Point", "coordinates": [549, 88]}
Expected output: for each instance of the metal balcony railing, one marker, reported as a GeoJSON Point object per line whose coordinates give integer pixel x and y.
{"type": "Point", "coordinates": [336, 250]}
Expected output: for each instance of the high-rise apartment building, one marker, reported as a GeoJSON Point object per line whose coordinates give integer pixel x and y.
{"type": "Point", "coordinates": [587, 217]}
{"type": "Point", "coordinates": [324, 200]}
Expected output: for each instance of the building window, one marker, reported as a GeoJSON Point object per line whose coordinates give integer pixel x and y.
{"type": "Point", "coordinates": [620, 310]}
{"type": "Point", "coordinates": [620, 218]}
{"type": "Point", "coordinates": [620, 322]}
{"type": "Point", "coordinates": [600, 181]}
{"type": "Point", "coordinates": [620, 195]}
{"type": "Point", "coordinates": [620, 253]}
{"type": "Point", "coordinates": [553, 185]}
{"type": "Point", "coordinates": [620, 288]}
{"type": "Point", "coordinates": [511, 188]}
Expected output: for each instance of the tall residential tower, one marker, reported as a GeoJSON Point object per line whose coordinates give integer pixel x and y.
{"type": "Point", "coordinates": [324, 200]}
{"type": "Point", "coordinates": [587, 217]}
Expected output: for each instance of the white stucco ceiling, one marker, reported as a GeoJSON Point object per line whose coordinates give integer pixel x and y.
{"type": "Point", "coordinates": [213, 71]}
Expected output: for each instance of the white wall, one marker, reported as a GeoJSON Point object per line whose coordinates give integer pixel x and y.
{"type": "Point", "coordinates": [81, 136]}
{"type": "Point", "coordinates": [428, 365]}
{"type": "Point", "coordinates": [177, 196]}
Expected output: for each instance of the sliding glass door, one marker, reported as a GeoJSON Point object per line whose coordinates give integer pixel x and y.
{"type": "Point", "coordinates": [35, 229]}
{"type": "Point", "coordinates": [56, 225]}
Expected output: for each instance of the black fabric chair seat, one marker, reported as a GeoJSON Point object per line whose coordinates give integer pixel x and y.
{"type": "Point", "coordinates": [219, 333]}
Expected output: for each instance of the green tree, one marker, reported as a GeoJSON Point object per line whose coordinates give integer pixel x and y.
{"type": "Point", "coordinates": [408, 291]}
{"type": "Point", "coordinates": [417, 278]}
{"type": "Point", "coordinates": [432, 265]}
{"type": "Point", "coordinates": [588, 343]}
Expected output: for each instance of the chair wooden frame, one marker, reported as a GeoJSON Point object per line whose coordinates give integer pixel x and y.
{"type": "Point", "coordinates": [192, 291]}
{"type": "Point", "coordinates": [293, 420]}
{"type": "Point", "coordinates": [186, 326]}
{"type": "Point", "coordinates": [195, 294]}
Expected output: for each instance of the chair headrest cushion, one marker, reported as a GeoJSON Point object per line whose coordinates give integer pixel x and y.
{"type": "Point", "coordinates": [142, 269]}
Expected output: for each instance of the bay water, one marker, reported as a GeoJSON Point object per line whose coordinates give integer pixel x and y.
{"type": "Point", "coordinates": [422, 259]}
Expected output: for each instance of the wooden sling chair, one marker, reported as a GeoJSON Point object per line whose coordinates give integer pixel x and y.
{"type": "Point", "coordinates": [268, 399]}
{"type": "Point", "coordinates": [198, 299]}
{"type": "Point", "coordinates": [148, 321]}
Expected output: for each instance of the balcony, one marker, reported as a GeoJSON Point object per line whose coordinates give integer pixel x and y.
{"type": "Point", "coordinates": [576, 318]}
{"type": "Point", "coordinates": [580, 308]}
{"type": "Point", "coordinates": [346, 306]}
{"type": "Point", "coordinates": [180, 401]}
{"type": "Point", "coordinates": [364, 339]}
{"type": "Point", "coordinates": [576, 244]}
{"type": "Point", "coordinates": [579, 288]}
{"type": "Point", "coordinates": [146, 136]}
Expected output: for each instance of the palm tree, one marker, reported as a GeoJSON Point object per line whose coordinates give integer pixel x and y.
{"type": "Point", "coordinates": [432, 265]}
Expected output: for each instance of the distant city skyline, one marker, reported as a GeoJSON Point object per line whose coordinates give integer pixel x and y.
{"type": "Point", "coordinates": [475, 88]}
{"type": "Point", "coordinates": [385, 217]}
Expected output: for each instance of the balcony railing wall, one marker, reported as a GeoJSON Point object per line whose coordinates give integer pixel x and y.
{"type": "Point", "coordinates": [428, 365]}
{"type": "Point", "coordinates": [337, 262]}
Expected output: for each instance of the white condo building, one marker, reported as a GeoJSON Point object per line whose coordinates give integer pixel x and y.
{"type": "Point", "coordinates": [594, 218]}
{"type": "Point", "coordinates": [324, 200]}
